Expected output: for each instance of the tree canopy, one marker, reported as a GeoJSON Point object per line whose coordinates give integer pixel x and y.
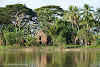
{"type": "Point", "coordinates": [72, 26]}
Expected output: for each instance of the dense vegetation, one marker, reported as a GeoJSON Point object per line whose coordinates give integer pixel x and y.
{"type": "Point", "coordinates": [78, 26]}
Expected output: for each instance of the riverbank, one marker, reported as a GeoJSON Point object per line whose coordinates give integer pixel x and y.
{"type": "Point", "coordinates": [51, 47]}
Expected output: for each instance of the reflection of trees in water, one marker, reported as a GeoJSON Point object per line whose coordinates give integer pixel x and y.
{"type": "Point", "coordinates": [83, 58]}
{"type": "Point", "coordinates": [1, 61]}
{"type": "Point", "coordinates": [87, 57]}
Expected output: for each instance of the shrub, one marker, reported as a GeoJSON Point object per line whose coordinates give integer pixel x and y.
{"type": "Point", "coordinates": [98, 42]}
{"type": "Point", "coordinates": [31, 41]}
{"type": "Point", "coordinates": [13, 37]}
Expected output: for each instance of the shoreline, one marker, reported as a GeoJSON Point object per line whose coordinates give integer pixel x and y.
{"type": "Point", "coordinates": [48, 49]}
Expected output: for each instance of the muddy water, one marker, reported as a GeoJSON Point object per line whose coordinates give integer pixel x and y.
{"type": "Point", "coordinates": [49, 58]}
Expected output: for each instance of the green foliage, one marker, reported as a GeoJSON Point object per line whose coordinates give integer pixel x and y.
{"type": "Point", "coordinates": [63, 26]}
{"type": "Point", "coordinates": [4, 16]}
{"type": "Point", "coordinates": [30, 41]}
{"type": "Point", "coordinates": [60, 31]}
{"type": "Point", "coordinates": [86, 35]}
{"type": "Point", "coordinates": [98, 42]}
{"type": "Point", "coordinates": [14, 19]}
{"type": "Point", "coordinates": [8, 28]}
{"type": "Point", "coordinates": [13, 37]}
{"type": "Point", "coordinates": [13, 9]}
{"type": "Point", "coordinates": [76, 23]}
{"type": "Point", "coordinates": [46, 15]}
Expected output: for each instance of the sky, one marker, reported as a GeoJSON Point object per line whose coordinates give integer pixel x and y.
{"type": "Point", "coordinates": [63, 3]}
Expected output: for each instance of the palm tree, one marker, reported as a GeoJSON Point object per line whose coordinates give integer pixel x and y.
{"type": "Point", "coordinates": [73, 16]}
{"type": "Point", "coordinates": [97, 17]}
{"type": "Point", "coordinates": [97, 21]}
{"type": "Point", "coordinates": [87, 16]}
{"type": "Point", "coordinates": [86, 23]}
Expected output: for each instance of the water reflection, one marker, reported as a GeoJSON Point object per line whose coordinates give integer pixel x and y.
{"type": "Point", "coordinates": [37, 58]}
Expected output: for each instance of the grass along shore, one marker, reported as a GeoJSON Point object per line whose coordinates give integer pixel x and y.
{"type": "Point", "coordinates": [62, 47]}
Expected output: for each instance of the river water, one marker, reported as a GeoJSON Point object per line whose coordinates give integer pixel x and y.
{"type": "Point", "coordinates": [49, 58]}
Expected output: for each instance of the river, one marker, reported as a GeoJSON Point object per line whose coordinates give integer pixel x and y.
{"type": "Point", "coordinates": [49, 58]}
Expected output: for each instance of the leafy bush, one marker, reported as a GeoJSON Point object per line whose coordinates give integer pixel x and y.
{"type": "Point", "coordinates": [98, 42]}
{"type": "Point", "coordinates": [13, 37]}
{"type": "Point", "coordinates": [31, 41]}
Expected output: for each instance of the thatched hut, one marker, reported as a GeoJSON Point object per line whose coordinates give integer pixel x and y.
{"type": "Point", "coordinates": [42, 38]}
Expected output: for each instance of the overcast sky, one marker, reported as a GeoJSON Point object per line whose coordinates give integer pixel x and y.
{"type": "Point", "coordinates": [63, 3]}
